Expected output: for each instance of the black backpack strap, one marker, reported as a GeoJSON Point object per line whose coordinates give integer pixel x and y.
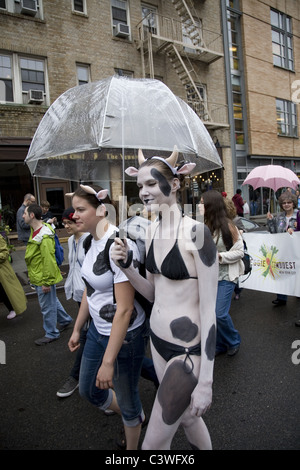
{"type": "Point", "coordinates": [87, 243]}
{"type": "Point", "coordinates": [106, 251]}
{"type": "Point", "coordinates": [106, 257]}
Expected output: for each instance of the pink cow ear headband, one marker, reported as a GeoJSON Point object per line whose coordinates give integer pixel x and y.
{"type": "Point", "coordinates": [99, 195]}
{"type": "Point", "coordinates": [170, 161]}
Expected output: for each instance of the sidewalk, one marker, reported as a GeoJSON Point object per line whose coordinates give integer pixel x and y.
{"type": "Point", "coordinates": [20, 268]}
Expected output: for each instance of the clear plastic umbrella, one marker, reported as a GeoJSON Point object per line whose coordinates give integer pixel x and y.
{"type": "Point", "coordinates": [91, 128]}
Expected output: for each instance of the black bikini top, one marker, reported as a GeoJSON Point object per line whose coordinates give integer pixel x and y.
{"type": "Point", "coordinates": [173, 266]}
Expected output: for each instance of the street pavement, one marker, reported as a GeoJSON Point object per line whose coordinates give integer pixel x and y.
{"type": "Point", "coordinates": [256, 404]}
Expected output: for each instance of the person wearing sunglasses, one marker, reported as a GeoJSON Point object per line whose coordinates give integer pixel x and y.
{"type": "Point", "coordinates": [283, 222]}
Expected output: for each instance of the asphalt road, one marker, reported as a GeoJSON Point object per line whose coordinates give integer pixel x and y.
{"type": "Point", "coordinates": [256, 403]}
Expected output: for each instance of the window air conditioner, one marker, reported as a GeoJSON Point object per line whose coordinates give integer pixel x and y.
{"type": "Point", "coordinates": [35, 96]}
{"type": "Point", "coordinates": [29, 7]}
{"type": "Point", "coordinates": [121, 30]}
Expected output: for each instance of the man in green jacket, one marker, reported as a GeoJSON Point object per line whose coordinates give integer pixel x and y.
{"type": "Point", "coordinates": [44, 274]}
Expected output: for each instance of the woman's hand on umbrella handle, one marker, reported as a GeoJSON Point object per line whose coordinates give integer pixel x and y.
{"type": "Point", "coordinates": [269, 216]}
{"type": "Point", "coordinates": [121, 254]}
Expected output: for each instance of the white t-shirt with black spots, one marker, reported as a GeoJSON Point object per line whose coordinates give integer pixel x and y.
{"type": "Point", "coordinates": [99, 280]}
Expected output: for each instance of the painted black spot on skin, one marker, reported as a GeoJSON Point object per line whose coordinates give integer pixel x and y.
{"type": "Point", "coordinates": [89, 289]}
{"type": "Point", "coordinates": [100, 265]}
{"type": "Point", "coordinates": [183, 328]}
{"type": "Point", "coordinates": [210, 346]}
{"type": "Point", "coordinates": [208, 251]}
{"type": "Point", "coordinates": [162, 182]}
{"type": "Point", "coordinates": [136, 263]}
{"type": "Point", "coordinates": [174, 393]}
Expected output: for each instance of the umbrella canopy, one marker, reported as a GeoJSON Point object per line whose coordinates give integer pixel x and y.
{"type": "Point", "coordinates": [93, 126]}
{"type": "Point", "coordinates": [273, 177]}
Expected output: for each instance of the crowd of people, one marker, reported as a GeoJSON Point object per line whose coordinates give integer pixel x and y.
{"type": "Point", "coordinates": [112, 328]}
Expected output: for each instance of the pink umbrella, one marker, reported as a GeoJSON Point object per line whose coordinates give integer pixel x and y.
{"type": "Point", "coordinates": [273, 177]}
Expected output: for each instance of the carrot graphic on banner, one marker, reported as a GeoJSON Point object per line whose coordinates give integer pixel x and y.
{"type": "Point", "coordinates": [265, 253]}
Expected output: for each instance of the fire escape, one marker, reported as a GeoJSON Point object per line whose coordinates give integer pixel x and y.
{"type": "Point", "coordinates": [184, 42]}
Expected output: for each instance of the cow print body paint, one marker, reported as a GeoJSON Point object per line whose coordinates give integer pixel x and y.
{"type": "Point", "coordinates": [208, 251]}
{"type": "Point", "coordinates": [162, 182]}
{"type": "Point", "coordinates": [210, 346]}
{"type": "Point", "coordinates": [183, 328]}
{"type": "Point", "coordinates": [174, 393]}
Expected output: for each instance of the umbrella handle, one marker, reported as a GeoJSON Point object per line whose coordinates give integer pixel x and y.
{"type": "Point", "coordinates": [128, 262]}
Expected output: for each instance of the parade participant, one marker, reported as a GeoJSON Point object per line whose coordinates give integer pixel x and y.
{"type": "Point", "coordinates": [182, 283]}
{"type": "Point", "coordinates": [11, 292]}
{"type": "Point", "coordinates": [114, 350]}
{"type": "Point", "coordinates": [285, 221]}
{"type": "Point", "coordinates": [23, 229]}
{"type": "Point", "coordinates": [239, 202]}
{"type": "Point", "coordinates": [74, 288]}
{"type": "Point", "coordinates": [230, 248]}
{"type": "Point", "coordinates": [47, 215]}
{"type": "Point", "coordinates": [44, 274]}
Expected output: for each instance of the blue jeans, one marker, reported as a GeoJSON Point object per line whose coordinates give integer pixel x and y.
{"type": "Point", "coordinates": [52, 311]}
{"type": "Point", "coordinates": [76, 366]}
{"type": "Point", "coordinates": [227, 336]}
{"type": "Point", "coordinates": [126, 374]}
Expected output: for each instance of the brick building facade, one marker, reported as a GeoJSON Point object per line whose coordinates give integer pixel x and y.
{"type": "Point", "coordinates": [52, 46]}
{"type": "Point", "coordinates": [265, 62]}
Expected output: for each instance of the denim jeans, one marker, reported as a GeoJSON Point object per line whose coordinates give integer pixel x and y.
{"type": "Point", "coordinates": [52, 311]}
{"type": "Point", "coordinates": [126, 374]}
{"type": "Point", "coordinates": [76, 366]}
{"type": "Point", "coordinates": [227, 336]}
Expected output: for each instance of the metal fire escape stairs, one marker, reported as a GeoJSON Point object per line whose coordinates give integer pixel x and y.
{"type": "Point", "coordinates": [183, 43]}
{"type": "Point", "coordinates": [185, 73]}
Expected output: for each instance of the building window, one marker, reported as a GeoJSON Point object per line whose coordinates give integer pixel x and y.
{"type": "Point", "coordinates": [282, 40]}
{"type": "Point", "coordinates": [120, 15]}
{"type": "Point", "coordinates": [6, 79]}
{"type": "Point", "coordinates": [27, 8]}
{"type": "Point", "coordinates": [83, 74]}
{"type": "Point", "coordinates": [119, 11]}
{"type": "Point", "coordinates": [286, 118]}
{"type": "Point", "coordinates": [32, 74]}
{"type": "Point", "coordinates": [233, 37]}
{"type": "Point", "coordinates": [199, 105]}
{"type": "Point", "coordinates": [235, 55]}
{"type": "Point", "coordinates": [238, 109]}
{"type": "Point", "coordinates": [191, 39]}
{"type": "Point", "coordinates": [19, 75]}
{"type": "Point", "coordinates": [149, 14]}
{"type": "Point", "coordinates": [79, 6]}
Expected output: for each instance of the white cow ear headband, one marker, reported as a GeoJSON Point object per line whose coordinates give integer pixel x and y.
{"type": "Point", "coordinates": [100, 195]}
{"type": "Point", "coordinates": [170, 162]}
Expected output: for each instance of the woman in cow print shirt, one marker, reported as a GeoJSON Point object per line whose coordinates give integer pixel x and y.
{"type": "Point", "coordinates": [114, 350]}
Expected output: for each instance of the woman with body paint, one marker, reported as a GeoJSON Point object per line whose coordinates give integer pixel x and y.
{"type": "Point", "coordinates": [182, 274]}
